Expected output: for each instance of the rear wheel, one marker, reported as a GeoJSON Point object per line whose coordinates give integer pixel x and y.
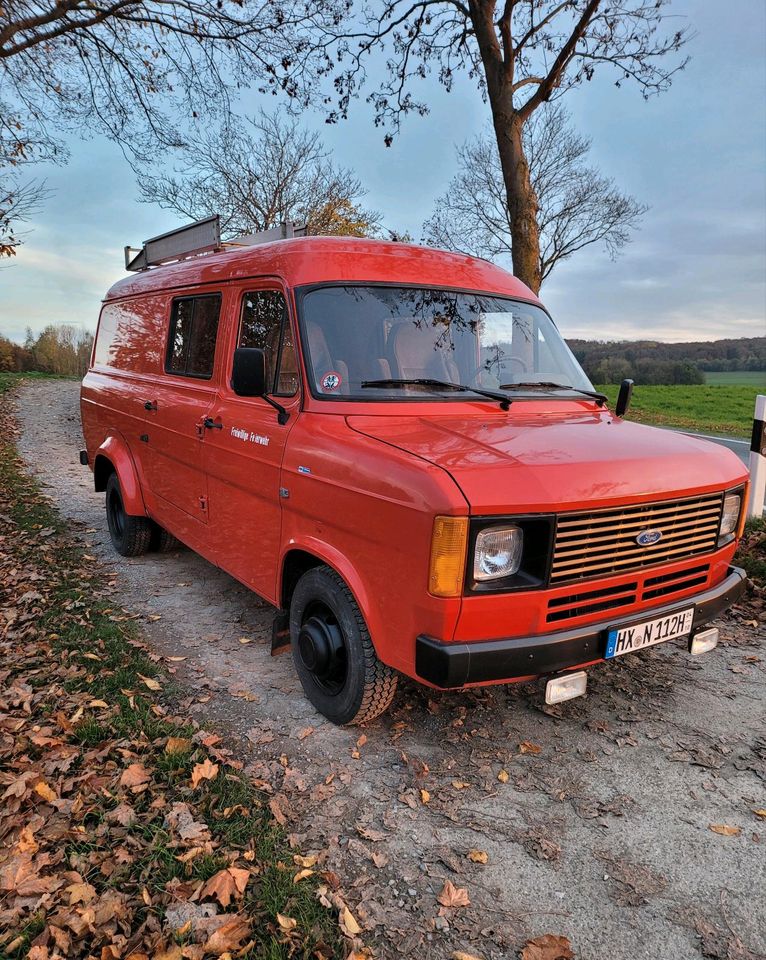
{"type": "Point", "coordinates": [162, 541]}
{"type": "Point", "coordinates": [131, 536]}
{"type": "Point", "coordinates": [333, 652]}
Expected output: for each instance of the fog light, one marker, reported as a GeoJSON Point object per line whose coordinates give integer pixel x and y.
{"type": "Point", "coordinates": [703, 640]}
{"type": "Point", "coordinates": [566, 687]}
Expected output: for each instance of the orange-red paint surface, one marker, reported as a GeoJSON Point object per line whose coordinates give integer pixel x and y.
{"type": "Point", "coordinates": [378, 471]}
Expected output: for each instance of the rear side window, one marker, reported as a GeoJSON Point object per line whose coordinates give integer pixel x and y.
{"type": "Point", "coordinates": [264, 323]}
{"type": "Point", "coordinates": [191, 341]}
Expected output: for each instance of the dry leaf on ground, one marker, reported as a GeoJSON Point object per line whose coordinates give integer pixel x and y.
{"type": "Point", "coordinates": [725, 830]}
{"type": "Point", "coordinates": [348, 923]}
{"type": "Point", "coordinates": [526, 747]}
{"type": "Point", "coordinates": [136, 775]}
{"type": "Point", "coordinates": [452, 896]}
{"type": "Point", "coordinates": [549, 946]}
{"type": "Point", "coordinates": [477, 856]}
{"type": "Point", "coordinates": [226, 885]}
{"type": "Point", "coordinates": [204, 771]}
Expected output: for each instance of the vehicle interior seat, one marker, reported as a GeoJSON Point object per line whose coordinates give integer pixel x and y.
{"type": "Point", "coordinates": [323, 361]}
{"type": "Point", "coordinates": [412, 355]}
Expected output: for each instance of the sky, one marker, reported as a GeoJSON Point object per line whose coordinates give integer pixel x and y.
{"type": "Point", "coordinates": [696, 155]}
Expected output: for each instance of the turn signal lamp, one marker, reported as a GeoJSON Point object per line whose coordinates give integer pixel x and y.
{"type": "Point", "coordinates": [448, 549]}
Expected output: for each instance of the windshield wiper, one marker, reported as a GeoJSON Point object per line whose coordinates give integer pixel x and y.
{"type": "Point", "coordinates": [501, 398]}
{"type": "Point", "coordinates": [548, 384]}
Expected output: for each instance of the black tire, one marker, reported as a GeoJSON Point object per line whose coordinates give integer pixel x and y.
{"type": "Point", "coordinates": [131, 536]}
{"type": "Point", "coordinates": [333, 653]}
{"type": "Point", "coordinates": [162, 541]}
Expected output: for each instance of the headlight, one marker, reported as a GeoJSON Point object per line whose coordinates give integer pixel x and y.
{"type": "Point", "coordinates": [732, 506]}
{"type": "Point", "coordinates": [497, 553]}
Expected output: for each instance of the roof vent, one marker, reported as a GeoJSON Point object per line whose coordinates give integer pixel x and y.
{"type": "Point", "coordinates": [201, 237]}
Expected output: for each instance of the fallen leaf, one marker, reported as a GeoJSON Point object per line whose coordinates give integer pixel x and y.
{"type": "Point", "coordinates": [725, 830]}
{"type": "Point", "coordinates": [150, 682]}
{"type": "Point", "coordinates": [306, 732]}
{"type": "Point", "coordinates": [477, 856]}
{"type": "Point", "coordinates": [305, 861]}
{"type": "Point", "coordinates": [462, 955]}
{"type": "Point", "coordinates": [177, 745]}
{"type": "Point", "coordinates": [135, 776]}
{"type": "Point", "coordinates": [452, 896]}
{"type": "Point", "coordinates": [43, 790]}
{"type": "Point", "coordinates": [204, 771]}
{"type": "Point", "coordinates": [229, 936]}
{"type": "Point", "coordinates": [286, 923]}
{"type": "Point", "coordinates": [549, 946]}
{"type": "Point", "coordinates": [302, 874]}
{"type": "Point", "coordinates": [460, 784]}
{"type": "Point", "coordinates": [226, 885]}
{"type": "Point", "coordinates": [761, 814]}
{"type": "Point", "coordinates": [425, 796]}
{"type": "Point", "coordinates": [348, 923]}
{"type": "Point", "coordinates": [245, 639]}
{"type": "Point", "coordinates": [526, 747]}
{"type": "Point", "coordinates": [503, 776]}
{"type": "Point", "coordinates": [98, 703]}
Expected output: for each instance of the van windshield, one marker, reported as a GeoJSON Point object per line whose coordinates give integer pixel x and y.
{"type": "Point", "coordinates": [358, 337]}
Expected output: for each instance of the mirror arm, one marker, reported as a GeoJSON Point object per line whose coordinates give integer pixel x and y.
{"type": "Point", "coordinates": [283, 415]}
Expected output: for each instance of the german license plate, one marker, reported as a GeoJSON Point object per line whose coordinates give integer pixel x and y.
{"type": "Point", "coordinates": [638, 636]}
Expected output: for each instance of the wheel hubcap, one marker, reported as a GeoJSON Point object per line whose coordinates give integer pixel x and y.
{"type": "Point", "coordinates": [322, 650]}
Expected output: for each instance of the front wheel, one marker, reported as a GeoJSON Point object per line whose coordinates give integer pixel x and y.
{"type": "Point", "coordinates": [131, 536]}
{"type": "Point", "coordinates": [333, 652]}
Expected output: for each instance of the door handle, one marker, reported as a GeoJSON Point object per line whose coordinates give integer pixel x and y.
{"type": "Point", "coordinates": [150, 405]}
{"type": "Point", "coordinates": [210, 424]}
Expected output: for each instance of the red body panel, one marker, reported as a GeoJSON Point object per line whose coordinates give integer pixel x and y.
{"type": "Point", "coordinates": [358, 484]}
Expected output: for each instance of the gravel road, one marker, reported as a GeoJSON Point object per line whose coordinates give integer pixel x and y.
{"type": "Point", "coordinates": [595, 816]}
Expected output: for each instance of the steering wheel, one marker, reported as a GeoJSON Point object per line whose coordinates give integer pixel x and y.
{"type": "Point", "coordinates": [499, 364]}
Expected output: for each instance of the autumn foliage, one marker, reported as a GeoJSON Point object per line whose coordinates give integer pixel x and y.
{"type": "Point", "coordinates": [126, 832]}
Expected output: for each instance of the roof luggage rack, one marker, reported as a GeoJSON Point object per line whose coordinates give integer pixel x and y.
{"type": "Point", "coordinates": [198, 238]}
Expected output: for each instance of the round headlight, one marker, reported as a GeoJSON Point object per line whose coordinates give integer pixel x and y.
{"type": "Point", "coordinates": [497, 553]}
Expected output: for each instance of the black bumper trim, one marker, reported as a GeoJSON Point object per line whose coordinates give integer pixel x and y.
{"type": "Point", "coordinates": [456, 664]}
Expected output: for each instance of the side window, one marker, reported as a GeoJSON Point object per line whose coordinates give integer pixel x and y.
{"type": "Point", "coordinates": [264, 323]}
{"type": "Point", "coordinates": [191, 341]}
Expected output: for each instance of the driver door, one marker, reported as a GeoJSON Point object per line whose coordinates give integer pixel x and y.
{"type": "Point", "coordinates": [244, 452]}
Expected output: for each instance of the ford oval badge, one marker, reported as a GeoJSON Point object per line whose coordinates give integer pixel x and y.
{"type": "Point", "coordinates": [647, 537]}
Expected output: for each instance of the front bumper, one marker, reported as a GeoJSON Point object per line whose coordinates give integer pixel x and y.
{"type": "Point", "coordinates": [483, 661]}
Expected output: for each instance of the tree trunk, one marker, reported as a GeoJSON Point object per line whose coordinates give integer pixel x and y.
{"type": "Point", "coordinates": [521, 198]}
{"type": "Point", "coordinates": [520, 194]}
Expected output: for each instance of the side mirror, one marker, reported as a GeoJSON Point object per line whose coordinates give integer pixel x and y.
{"type": "Point", "coordinates": [248, 376]}
{"type": "Point", "coordinates": [623, 398]}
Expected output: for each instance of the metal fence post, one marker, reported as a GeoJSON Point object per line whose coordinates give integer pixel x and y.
{"type": "Point", "coordinates": [758, 459]}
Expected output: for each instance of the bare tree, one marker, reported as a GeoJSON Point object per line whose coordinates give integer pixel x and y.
{"type": "Point", "coordinates": [577, 206]}
{"type": "Point", "coordinates": [143, 71]}
{"type": "Point", "coordinates": [259, 173]}
{"type": "Point", "coordinates": [521, 53]}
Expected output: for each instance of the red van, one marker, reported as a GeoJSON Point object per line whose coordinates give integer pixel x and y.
{"type": "Point", "coordinates": [394, 446]}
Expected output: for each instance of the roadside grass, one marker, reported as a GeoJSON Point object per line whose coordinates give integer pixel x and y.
{"type": "Point", "coordinates": [93, 765]}
{"type": "Point", "coordinates": [726, 410]}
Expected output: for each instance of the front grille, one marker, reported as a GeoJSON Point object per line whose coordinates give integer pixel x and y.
{"type": "Point", "coordinates": [591, 601]}
{"type": "Point", "coordinates": [603, 542]}
{"type": "Point", "coordinates": [674, 582]}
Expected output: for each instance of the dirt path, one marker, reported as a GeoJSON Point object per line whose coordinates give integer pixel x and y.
{"type": "Point", "coordinates": [603, 835]}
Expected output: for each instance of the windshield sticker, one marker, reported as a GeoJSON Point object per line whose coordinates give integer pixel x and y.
{"type": "Point", "coordinates": [249, 437]}
{"type": "Point", "coordinates": [332, 380]}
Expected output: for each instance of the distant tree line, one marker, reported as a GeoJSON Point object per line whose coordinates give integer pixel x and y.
{"type": "Point", "coordinates": [61, 349]}
{"type": "Point", "coordinates": [650, 361]}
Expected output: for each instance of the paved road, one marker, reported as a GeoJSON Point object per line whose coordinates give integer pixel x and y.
{"type": "Point", "coordinates": [594, 817]}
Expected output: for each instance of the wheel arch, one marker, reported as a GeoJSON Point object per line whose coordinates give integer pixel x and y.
{"type": "Point", "coordinates": [114, 456]}
{"type": "Point", "coordinates": [302, 556]}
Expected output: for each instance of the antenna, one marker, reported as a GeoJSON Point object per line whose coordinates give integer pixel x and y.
{"type": "Point", "coordinates": [194, 239]}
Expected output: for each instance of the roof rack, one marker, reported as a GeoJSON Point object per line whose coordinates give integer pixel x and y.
{"type": "Point", "coordinates": [198, 238]}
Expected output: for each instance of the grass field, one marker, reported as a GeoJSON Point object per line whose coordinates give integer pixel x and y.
{"type": "Point", "coordinates": [725, 410]}
{"type": "Point", "coordinates": [751, 378]}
